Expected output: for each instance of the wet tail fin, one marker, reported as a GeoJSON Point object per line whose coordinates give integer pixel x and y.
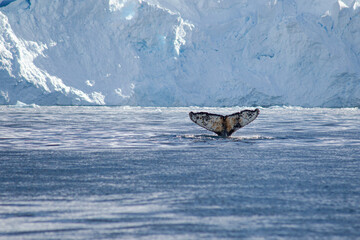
{"type": "Point", "coordinates": [224, 125]}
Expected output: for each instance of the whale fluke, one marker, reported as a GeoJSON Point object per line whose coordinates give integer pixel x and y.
{"type": "Point", "coordinates": [224, 126]}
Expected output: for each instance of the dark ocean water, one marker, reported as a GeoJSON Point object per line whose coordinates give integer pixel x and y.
{"type": "Point", "coordinates": [150, 173]}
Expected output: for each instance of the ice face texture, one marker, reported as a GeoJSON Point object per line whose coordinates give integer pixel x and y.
{"type": "Point", "coordinates": [180, 53]}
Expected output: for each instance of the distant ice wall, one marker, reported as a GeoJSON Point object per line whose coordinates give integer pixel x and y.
{"type": "Point", "coordinates": [180, 52]}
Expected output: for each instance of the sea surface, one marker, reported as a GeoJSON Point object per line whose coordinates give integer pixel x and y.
{"type": "Point", "coordinates": [150, 173]}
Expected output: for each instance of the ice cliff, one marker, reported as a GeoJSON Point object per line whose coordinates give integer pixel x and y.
{"type": "Point", "coordinates": [180, 52]}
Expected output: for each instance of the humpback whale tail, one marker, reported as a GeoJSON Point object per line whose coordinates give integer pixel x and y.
{"type": "Point", "coordinates": [224, 126]}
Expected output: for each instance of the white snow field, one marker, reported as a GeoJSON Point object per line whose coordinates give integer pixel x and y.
{"type": "Point", "coordinates": [180, 52]}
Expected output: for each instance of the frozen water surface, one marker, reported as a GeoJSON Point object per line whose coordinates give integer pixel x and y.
{"type": "Point", "coordinates": [150, 173]}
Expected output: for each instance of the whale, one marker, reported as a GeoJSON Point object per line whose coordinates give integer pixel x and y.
{"type": "Point", "coordinates": [224, 126]}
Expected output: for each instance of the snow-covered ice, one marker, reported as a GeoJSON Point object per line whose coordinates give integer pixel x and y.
{"type": "Point", "coordinates": [180, 52]}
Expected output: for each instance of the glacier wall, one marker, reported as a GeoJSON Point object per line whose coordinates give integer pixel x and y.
{"type": "Point", "coordinates": [180, 52]}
